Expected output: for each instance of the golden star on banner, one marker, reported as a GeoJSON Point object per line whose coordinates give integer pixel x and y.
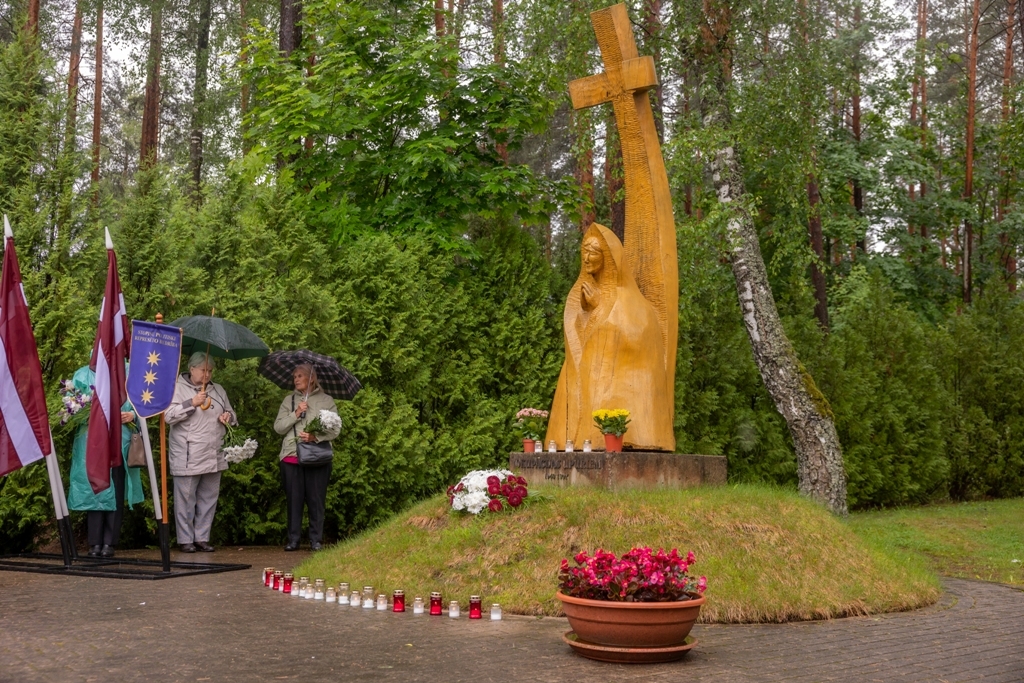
{"type": "Point", "coordinates": [147, 397]}
{"type": "Point", "coordinates": [154, 358]}
{"type": "Point", "coordinates": [149, 377]}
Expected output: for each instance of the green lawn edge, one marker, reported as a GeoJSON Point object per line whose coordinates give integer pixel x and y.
{"type": "Point", "coordinates": [769, 554]}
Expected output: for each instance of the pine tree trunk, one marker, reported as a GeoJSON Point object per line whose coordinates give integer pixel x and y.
{"type": "Point", "coordinates": [243, 105]}
{"type": "Point", "coordinates": [972, 90]}
{"type": "Point", "coordinates": [858, 191]}
{"type": "Point", "coordinates": [32, 23]}
{"type": "Point", "coordinates": [1008, 250]}
{"type": "Point", "coordinates": [797, 398]}
{"type": "Point", "coordinates": [151, 106]}
{"type": "Point", "coordinates": [614, 180]}
{"type": "Point", "coordinates": [97, 107]}
{"type": "Point", "coordinates": [652, 30]}
{"type": "Point", "coordinates": [583, 147]}
{"type": "Point", "coordinates": [290, 32]}
{"type": "Point", "coordinates": [74, 71]}
{"type": "Point", "coordinates": [923, 90]}
{"type": "Point", "coordinates": [498, 21]}
{"type": "Point", "coordinates": [199, 99]}
{"type": "Point", "coordinates": [439, 18]}
{"type": "Point", "coordinates": [817, 245]}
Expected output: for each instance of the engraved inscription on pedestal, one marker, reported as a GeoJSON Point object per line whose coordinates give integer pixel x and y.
{"type": "Point", "coordinates": [631, 469]}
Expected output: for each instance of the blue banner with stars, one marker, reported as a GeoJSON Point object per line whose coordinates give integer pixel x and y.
{"type": "Point", "coordinates": [153, 368]}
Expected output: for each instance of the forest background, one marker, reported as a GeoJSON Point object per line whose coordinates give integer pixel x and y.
{"type": "Point", "coordinates": [402, 185]}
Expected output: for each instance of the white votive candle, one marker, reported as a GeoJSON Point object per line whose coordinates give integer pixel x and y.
{"type": "Point", "coordinates": [453, 609]}
{"type": "Point", "coordinates": [495, 612]}
{"type": "Point", "coordinates": [417, 606]}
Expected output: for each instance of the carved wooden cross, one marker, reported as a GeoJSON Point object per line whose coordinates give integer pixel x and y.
{"type": "Point", "coordinates": [649, 244]}
{"type": "Point", "coordinates": [625, 71]}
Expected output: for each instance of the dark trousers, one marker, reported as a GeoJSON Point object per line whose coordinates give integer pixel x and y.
{"type": "Point", "coordinates": [306, 485]}
{"type": "Point", "coordinates": [104, 527]}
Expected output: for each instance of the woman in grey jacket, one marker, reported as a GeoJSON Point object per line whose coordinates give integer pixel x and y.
{"type": "Point", "coordinates": [196, 419]}
{"type": "Point", "coordinates": [304, 484]}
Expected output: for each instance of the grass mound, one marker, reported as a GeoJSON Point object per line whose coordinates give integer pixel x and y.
{"type": "Point", "coordinates": [769, 555]}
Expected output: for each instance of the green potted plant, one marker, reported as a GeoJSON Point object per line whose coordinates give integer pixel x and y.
{"type": "Point", "coordinates": [634, 608]}
{"type": "Point", "coordinates": [530, 425]}
{"type": "Point", "coordinates": [613, 423]}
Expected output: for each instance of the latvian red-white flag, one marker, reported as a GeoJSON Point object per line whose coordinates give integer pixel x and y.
{"type": "Point", "coordinates": [109, 351]}
{"type": "Point", "coordinates": [24, 423]}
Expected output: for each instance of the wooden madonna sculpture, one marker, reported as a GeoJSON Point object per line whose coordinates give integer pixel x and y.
{"type": "Point", "coordinates": [621, 315]}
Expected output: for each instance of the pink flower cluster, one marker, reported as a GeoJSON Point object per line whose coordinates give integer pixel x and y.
{"type": "Point", "coordinates": [641, 575]}
{"type": "Point", "coordinates": [531, 412]}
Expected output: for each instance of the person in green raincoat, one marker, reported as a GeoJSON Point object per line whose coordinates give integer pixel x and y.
{"type": "Point", "coordinates": [106, 508]}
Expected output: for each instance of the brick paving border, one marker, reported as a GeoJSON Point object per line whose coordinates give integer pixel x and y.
{"type": "Point", "coordinates": [225, 627]}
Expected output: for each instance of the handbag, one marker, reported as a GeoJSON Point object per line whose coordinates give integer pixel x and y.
{"type": "Point", "coordinates": [314, 453]}
{"type": "Point", "coordinates": [136, 451]}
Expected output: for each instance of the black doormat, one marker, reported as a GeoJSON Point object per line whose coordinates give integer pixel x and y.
{"type": "Point", "coordinates": [110, 568]}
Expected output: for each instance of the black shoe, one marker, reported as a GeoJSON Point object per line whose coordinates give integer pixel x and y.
{"type": "Point", "coordinates": [187, 548]}
{"type": "Point", "coordinates": [316, 545]}
{"type": "Point", "coordinates": [94, 550]}
{"type": "Point", "coordinates": [107, 551]}
{"type": "Point", "coordinates": [204, 546]}
{"type": "Point", "coordinates": [291, 547]}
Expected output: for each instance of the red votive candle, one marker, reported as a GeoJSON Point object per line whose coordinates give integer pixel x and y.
{"type": "Point", "coordinates": [268, 576]}
{"type": "Point", "coordinates": [398, 601]}
{"type": "Point", "coordinates": [474, 607]}
{"type": "Point", "coordinates": [278, 578]}
{"type": "Point", "coordinates": [435, 604]}
{"type": "Point", "coordinates": [287, 587]}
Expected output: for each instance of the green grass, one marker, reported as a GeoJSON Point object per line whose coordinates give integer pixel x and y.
{"type": "Point", "coordinates": [769, 555]}
{"type": "Point", "coordinates": [967, 540]}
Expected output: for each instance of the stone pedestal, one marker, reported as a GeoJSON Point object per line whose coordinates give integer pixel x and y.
{"type": "Point", "coordinates": [630, 469]}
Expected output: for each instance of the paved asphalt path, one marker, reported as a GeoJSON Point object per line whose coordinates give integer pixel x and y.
{"type": "Point", "coordinates": [226, 627]}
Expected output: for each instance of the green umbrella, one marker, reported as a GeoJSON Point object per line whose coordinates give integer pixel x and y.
{"type": "Point", "coordinates": [219, 337]}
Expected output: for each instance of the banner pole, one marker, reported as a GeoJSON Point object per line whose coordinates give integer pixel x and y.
{"type": "Point", "coordinates": [165, 550]}
{"type": "Point", "coordinates": [165, 531]}
{"type": "Point", "coordinates": [65, 547]}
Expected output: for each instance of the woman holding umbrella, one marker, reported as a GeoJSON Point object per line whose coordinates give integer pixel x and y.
{"type": "Point", "coordinates": [197, 419]}
{"type": "Point", "coordinates": [305, 485]}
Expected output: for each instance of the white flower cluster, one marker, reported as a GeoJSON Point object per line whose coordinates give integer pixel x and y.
{"type": "Point", "coordinates": [472, 496]}
{"type": "Point", "coordinates": [240, 453]}
{"type": "Point", "coordinates": [330, 420]}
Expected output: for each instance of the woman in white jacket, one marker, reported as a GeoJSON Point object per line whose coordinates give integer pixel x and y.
{"type": "Point", "coordinates": [196, 419]}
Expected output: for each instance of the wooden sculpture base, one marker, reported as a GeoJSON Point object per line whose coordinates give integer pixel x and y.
{"type": "Point", "coordinates": [627, 470]}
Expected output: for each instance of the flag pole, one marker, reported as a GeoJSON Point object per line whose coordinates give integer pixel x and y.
{"type": "Point", "coordinates": [54, 476]}
{"type": "Point", "coordinates": [165, 530]}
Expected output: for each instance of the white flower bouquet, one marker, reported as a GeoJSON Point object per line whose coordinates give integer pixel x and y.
{"type": "Point", "coordinates": [237, 447]}
{"type": "Point", "coordinates": [327, 421]}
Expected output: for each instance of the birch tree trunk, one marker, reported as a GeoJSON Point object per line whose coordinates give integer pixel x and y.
{"type": "Point", "coordinates": [792, 389]}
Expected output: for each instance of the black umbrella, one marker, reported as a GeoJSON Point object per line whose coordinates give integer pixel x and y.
{"type": "Point", "coordinates": [219, 337]}
{"type": "Point", "coordinates": [334, 379]}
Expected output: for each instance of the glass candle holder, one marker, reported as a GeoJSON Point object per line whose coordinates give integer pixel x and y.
{"type": "Point", "coordinates": [300, 587]}
{"type": "Point", "coordinates": [398, 601]}
{"type": "Point", "coordinates": [342, 588]}
{"type": "Point", "coordinates": [569, 447]}
{"type": "Point", "coordinates": [475, 612]}
{"type": "Point", "coordinates": [309, 592]}
{"type": "Point", "coordinates": [343, 594]}
{"type": "Point", "coordinates": [289, 580]}
{"type": "Point", "coordinates": [330, 595]}
{"type": "Point", "coordinates": [318, 593]}
{"type": "Point", "coordinates": [295, 591]}
{"type": "Point", "coordinates": [417, 605]}
{"type": "Point", "coordinates": [319, 584]}
{"type": "Point", "coordinates": [495, 612]}
{"type": "Point", "coordinates": [587, 447]}
{"type": "Point", "coordinates": [453, 609]}
{"type": "Point", "coordinates": [382, 603]}
{"type": "Point", "coordinates": [552, 447]}
{"type": "Point", "coordinates": [268, 576]}
{"type": "Point", "coordinates": [356, 600]}
{"type": "Point", "coordinates": [368, 602]}
{"type": "Point", "coordinates": [278, 578]}
{"type": "Point", "coordinates": [435, 604]}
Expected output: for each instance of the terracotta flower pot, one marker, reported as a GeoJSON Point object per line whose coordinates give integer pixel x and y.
{"type": "Point", "coordinates": [631, 624]}
{"type": "Point", "coordinates": [612, 443]}
{"type": "Point", "coordinates": [528, 445]}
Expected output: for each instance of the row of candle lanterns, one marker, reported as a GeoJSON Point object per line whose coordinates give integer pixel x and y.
{"type": "Point", "coordinates": [285, 582]}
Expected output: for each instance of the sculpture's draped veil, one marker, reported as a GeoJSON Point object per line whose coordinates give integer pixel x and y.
{"type": "Point", "coordinates": [615, 354]}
